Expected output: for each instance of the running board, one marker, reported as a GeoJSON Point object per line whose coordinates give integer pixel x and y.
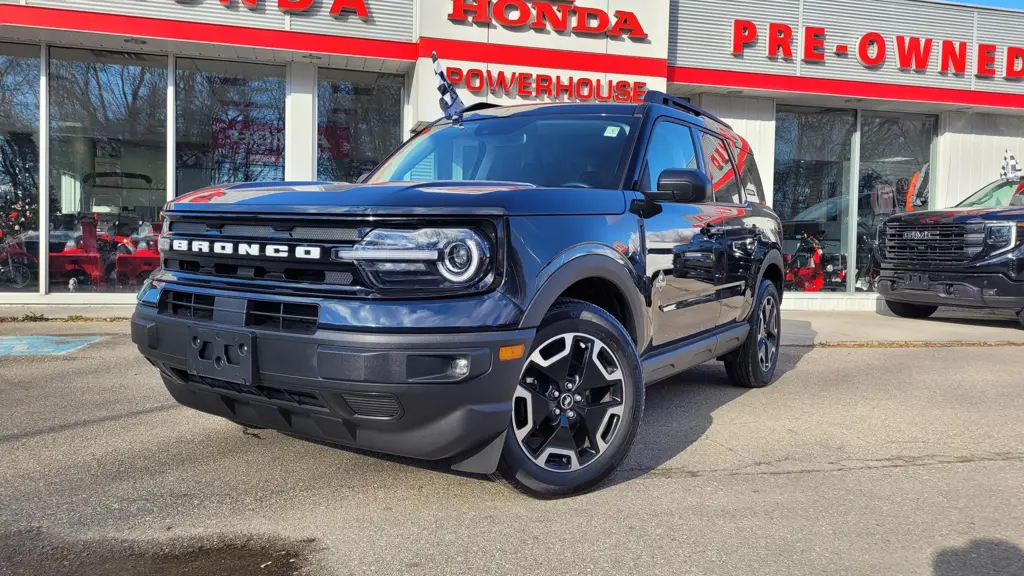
{"type": "Point", "coordinates": [667, 363]}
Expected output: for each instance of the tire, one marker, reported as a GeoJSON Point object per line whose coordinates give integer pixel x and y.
{"type": "Point", "coordinates": [19, 276]}
{"type": "Point", "coordinates": [904, 310]}
{"type": "Point", "coordinates": [599, 408]}
{"type": "Point", "coordinates": [753, 364]}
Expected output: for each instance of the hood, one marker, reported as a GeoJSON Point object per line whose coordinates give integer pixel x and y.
{"type": "Point", "coordinates": [961, 215]}
{"type": "Point", "coordinates": [402, 198]}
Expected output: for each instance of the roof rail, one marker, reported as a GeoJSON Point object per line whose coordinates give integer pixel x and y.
{"type": "Point", "coordinates": [655, 97]}
{"type": "Point", "coordinates": [480, 106]}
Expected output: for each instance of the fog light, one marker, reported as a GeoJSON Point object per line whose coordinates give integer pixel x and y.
{"type": "Point", "coordinates": [459, 367]}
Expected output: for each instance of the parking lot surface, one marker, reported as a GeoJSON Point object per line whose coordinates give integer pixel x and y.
{"type": "Point", "coordinates": [857, 461]}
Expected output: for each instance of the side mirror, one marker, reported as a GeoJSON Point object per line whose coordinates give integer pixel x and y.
{"type": "Point", "coordinates": [363, 178]}
{"type": "Point", "coordinates": [684, 185]}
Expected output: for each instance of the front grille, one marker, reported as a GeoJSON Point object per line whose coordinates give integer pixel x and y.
{"type": "Point", "coordinates": [282, 316]}
{"type": "Point", "coordinates": [290, 317]}
{"type": "Point", "coordinates": [268, 231]}
{"type": "Point", "coordinates": [372, 405]}
{"type": "Point", "coordinates": [224, 269]}
{"type": "Point", "coordinates": [188, 305]}
{"type": "Point", "coordinates": [933, 244]}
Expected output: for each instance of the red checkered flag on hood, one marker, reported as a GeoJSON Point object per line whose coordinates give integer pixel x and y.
{"type": "Point", "coordinates": [449, 101]}
{"type": "Point", "coordinates": [1011, 168]}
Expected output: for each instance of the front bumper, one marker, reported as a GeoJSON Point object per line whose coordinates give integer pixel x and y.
{"type": "Point", "coordinates": [951, 289]}
{"type": "Point", "coordinates": [382, 392]}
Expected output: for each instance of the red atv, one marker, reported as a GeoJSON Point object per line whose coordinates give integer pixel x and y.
{"type": "Point", "coordinates": [809, 269]}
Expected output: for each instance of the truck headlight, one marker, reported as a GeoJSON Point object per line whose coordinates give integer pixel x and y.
{"type": "Point", "coordinates": [1001, 236]}
{"type": "Point", "coordinates": [428, 258]}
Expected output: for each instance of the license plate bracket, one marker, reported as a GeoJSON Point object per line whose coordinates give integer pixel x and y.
{"type": "Point", "coordinates": [221, 354]}
{"type": "Point", "coordinates": [917, 281]}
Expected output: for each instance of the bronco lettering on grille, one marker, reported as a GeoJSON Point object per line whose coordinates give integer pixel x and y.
{"type": "Point", "coordinates": [247, 249]}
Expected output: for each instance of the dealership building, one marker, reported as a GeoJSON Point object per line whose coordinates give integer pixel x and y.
{"type": "Point", "coordinates": [855, 109]}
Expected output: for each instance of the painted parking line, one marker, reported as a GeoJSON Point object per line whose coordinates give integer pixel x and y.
{"type": "Point", "coordinates": [43, 345]}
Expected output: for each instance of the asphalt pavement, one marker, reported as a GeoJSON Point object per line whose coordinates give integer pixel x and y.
{"type": "Point", "coordinates": [869, 461]}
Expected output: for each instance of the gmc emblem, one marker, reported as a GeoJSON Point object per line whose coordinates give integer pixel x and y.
{"type": "Point", "coordinates": [246, 249]}
{"type": "Point", "coordinates": [919, 235]}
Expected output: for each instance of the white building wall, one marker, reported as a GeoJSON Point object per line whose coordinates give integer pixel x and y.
{"type": "Point", "coordinates": [754, 119]}
{"type": "Point", "coordinates": [971, 148]}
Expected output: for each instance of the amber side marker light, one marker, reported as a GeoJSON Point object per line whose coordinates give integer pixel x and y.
{"type": "Point", "coordinates": [511, 352]}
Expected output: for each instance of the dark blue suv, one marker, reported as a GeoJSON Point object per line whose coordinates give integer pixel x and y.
{"type": "Point", "coordinates": [496, 294]}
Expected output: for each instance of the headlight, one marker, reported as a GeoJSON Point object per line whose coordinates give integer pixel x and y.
{"type": "Point", "coordinates": [999, 236]}
{"type": "Point", "coordinates": [442, 258]}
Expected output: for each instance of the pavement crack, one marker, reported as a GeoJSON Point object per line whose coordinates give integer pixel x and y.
{"type": "Point", "coordinates": [248, 432]}
{"type": "Point", "coordinates": [846, 465]}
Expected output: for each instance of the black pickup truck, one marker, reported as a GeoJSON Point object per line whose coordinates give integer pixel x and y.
{"type": "Point", "coordinates": [967, 256]}
{"type": "Point", "coordinates": [496, 294]}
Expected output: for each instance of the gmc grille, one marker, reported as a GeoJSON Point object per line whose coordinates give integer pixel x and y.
{"type": "Point", "coordinates": [933, 244]}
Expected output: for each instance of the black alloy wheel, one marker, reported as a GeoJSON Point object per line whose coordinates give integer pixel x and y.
{"type": "Point", "coordinates": [577, 406]}
{"type": "Point", "coordinates": [753, 364]}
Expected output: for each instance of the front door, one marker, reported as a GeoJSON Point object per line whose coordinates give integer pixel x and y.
{"type": "Point", "coordinates": [680, 259]}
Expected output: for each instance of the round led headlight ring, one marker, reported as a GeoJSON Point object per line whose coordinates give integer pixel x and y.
{"type": "Point", "coordinates": [460, 260]}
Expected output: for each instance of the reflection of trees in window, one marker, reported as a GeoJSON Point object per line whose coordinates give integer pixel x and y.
{"type": "Point", "coordinates": [108, 114]}
{"type": "Point", "coordinates": [19, 121]}
{"type": "Point", "coordinates": [230, 123]}
{"type": "Point", "coordinates": [894, 149]}
{"type": "Point", "coordinates": [812, 149]}
{"type": "Point", "coordinates": [359, 122]}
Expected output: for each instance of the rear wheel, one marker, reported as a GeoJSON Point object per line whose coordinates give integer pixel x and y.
{"type": "Point", "coordinates": [578, 405]}
{"type": "Point", "coordinates": [904, 310]}
{"type": "Point", "coordinates": [18, 276]}
{"type": "Point", "coordinates": [753, 364]}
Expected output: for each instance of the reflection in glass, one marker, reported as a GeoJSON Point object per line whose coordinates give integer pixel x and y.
{"type": "Point", "coordinates": [812, 180]}
{"type": "Point", "coordinates": [895, 161]}
{"type": "Point", "coordinates": [359, 122]}
{"type": "Point", "coordinates": [230, 123]}
{"type": "Point", "coordinates": [108, 156]}
{"type": "Point", "coordinates": [997, 195]}
{"type": "Point", "coordinates": [19, 168]}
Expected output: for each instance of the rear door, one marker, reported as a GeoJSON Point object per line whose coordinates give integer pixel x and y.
{"type": "Point", "coordinates": [733, 229]}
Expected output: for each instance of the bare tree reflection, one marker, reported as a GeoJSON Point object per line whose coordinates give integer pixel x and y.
{"type": "Point", "coordinates": [230, 123]}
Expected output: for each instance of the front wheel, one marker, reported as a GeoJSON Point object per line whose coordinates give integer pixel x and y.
{"type": "Point", "coordinates": [578, 404]}
{"type": "Point", "coordinates": [904, 310]}
{"type": "Point", "coordinates": [753, 364]}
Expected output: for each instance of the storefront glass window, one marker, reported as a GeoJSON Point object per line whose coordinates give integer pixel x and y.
{"type": "Point", "coordinates": [108, 158]}
{"type": "Point", "coordinates": [895, 164]}
{"type": "Point", "coordinates": [19, 168]}
{"type": "Point", "coordinates": [359, 122]}
{"type": "Point", "coordinates": [813, 164]}
{"type": "Point", "coordinates": [230, 123]}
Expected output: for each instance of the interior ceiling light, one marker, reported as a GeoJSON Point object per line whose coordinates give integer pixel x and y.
{"type": "Point", "coordinates": [312, 57]}
{"type": "Point", "coordinates": [734, 92]}
{"type": "Point", "coordinates": [135, 41]}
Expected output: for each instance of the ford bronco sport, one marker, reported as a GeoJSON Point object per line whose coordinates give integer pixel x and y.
{"type": "Point", "coordinates": [496, 294]}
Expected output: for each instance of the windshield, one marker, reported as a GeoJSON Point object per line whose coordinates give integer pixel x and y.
{"type": "Point", "coordinates": [1002, 193]}
{"type": "Point", "coordinates": [550, 151]}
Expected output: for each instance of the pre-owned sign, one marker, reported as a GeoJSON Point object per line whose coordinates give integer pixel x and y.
{"type": "Point", "coordinates": [561, 16]}
{"type": "Point", "coordinates": [874, 50]}
{"type": "Point", "coordinates": [529, 85]}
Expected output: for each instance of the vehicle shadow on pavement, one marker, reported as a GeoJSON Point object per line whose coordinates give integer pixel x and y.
{"type": "Point", "coordinates": [980, 558]}
{"type": "Point", "coordinates": [680, 410]}
{"type": "Point", "coordinates": [983, 318]}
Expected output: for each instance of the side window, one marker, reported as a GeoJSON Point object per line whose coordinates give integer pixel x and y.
{"type": "Point", "coordinates": [750, 176]}
{"type": "Point", "coordinates": [671, 147]}
{"type": "Point", "coordinates": [720, 169]}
